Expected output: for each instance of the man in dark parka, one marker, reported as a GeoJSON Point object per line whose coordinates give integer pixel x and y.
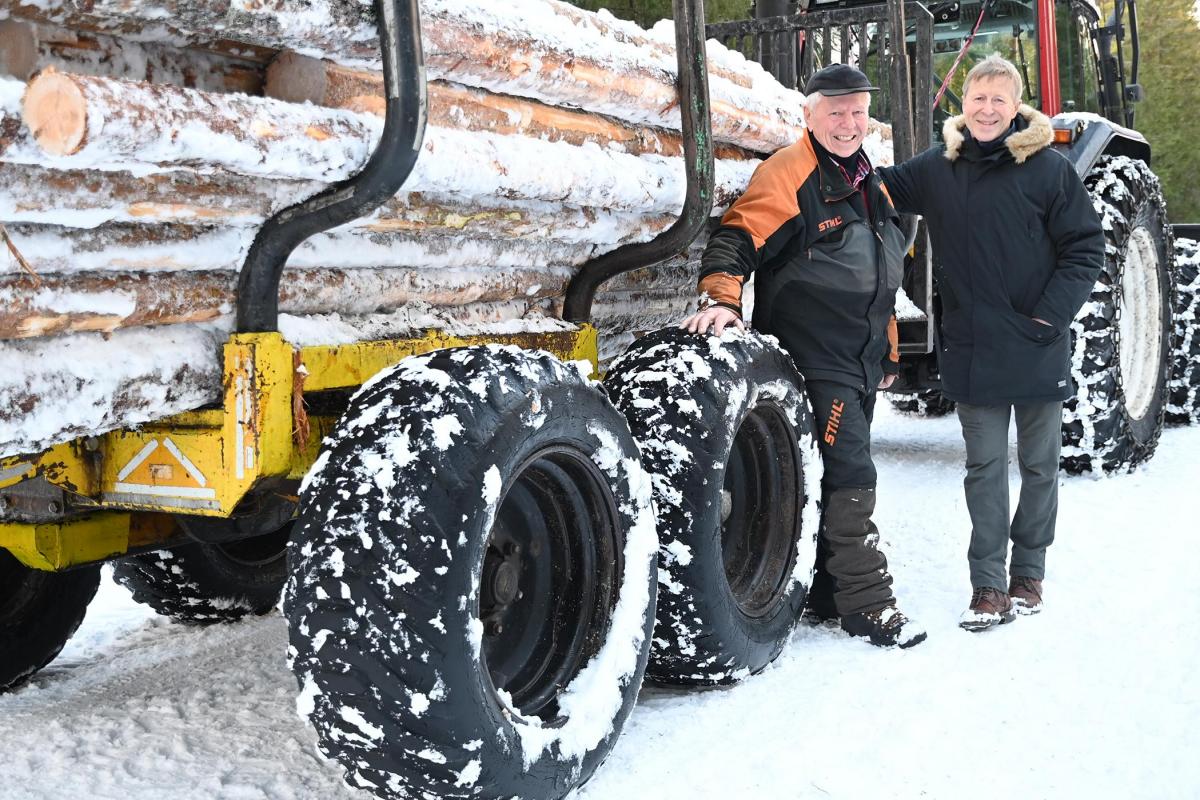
{"type": "Point", "coordinates": [1017, 249]}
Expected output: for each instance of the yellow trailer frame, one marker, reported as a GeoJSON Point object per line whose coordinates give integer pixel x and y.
{"type": "Point", "coordinates": [132, 482]}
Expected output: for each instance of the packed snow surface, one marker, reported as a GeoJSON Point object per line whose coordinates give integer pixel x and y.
{"type": "Point", "coordinates": [1093, 698]}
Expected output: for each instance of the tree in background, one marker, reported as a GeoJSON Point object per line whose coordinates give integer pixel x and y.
{"type": "Point", "coordinates": [1170, 42]}
{"type": "Point", "coordinates": [648, 12]}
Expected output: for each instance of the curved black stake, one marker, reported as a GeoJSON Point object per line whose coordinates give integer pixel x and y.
{"type": "Point", "coordinates": [380, 179]}
{"type": "Point", "coordinates": [698, 156]}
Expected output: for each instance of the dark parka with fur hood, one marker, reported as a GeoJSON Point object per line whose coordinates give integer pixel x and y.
{"type": "Point", "coordinates": [1014, 237]}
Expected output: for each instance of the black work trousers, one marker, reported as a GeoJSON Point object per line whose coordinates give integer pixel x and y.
{"type": "Point", "coordinates": [850, 565]}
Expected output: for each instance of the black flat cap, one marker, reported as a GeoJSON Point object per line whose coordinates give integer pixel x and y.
{"type": "Point", "coordinates": [838, 79]}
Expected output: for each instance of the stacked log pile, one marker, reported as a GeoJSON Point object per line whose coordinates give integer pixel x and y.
{"type": "Point", "coordinates": [143, 144]}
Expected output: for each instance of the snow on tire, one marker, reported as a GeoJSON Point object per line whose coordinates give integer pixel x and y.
{"type": "Point", "coordinates": [203, 584]}
{"type": "Point", "coordinates": [472, 583]}
{"type": "Point", "coordinates": [1121, 337]}
{"type": "Point", "coordinates": [38, 613]}
{"type": "Point", "coordinates": [727, 437]}
{"type": "Point", "coordinates": [925, 403]}
{"type": "Point", "coordinates": [1183, 403]}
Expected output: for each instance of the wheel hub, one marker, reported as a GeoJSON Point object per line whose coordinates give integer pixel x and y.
{"type": "Point", "coordinates": [760, 526]}
{"type": "Point", "coordinates": [549, 578]}
{"type": "Point", "coordinates": [504, 584]}
{"type": "Point", "coordinates": [1140, 324]}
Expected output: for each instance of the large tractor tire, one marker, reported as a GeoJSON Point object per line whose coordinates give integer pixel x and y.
{"type": "Point", "coordinates": [39, 611]}
{"type": "Point", "coordinates": [473, 576]}
{"type": "Point", "coordinates": [205, 584]}
{"type": "Point", "coordinates": [727, 437]}
{"type": "Point", "coordinates": [925, 403]}
{"type": "Point", "coordinates": [1183, 404]}
{"type": "Point", "coordinates": [1122, 338]}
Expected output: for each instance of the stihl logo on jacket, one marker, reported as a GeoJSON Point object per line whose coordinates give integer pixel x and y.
{"type": "Point", "coordinates": [829, 223]}
{"type": "Point", "coordinates": [828, 302]}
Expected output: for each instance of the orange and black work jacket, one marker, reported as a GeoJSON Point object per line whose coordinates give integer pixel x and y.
{"type": "Point", "coordinates": [825, 275]}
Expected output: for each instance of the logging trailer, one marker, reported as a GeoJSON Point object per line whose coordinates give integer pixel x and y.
{"type": "Point", "coordinates": [482, 550]}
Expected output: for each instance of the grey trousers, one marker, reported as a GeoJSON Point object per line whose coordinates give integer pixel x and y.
{"type": "Point", "coordinates": [1031, 529]}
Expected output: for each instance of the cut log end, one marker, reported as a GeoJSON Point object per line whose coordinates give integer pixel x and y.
{"type": "Point", "coordinates": [18, 50]}
{"type": "Point", "coordinates": [56, 112]}
{"type": "Point", "coordinates": [296, 78]}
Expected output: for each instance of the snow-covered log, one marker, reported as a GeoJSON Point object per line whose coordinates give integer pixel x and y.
{"type": "Point", "coordinates": [85, 121]}
{"type": "Point", "coordinates": [55, 388]}
{"type": "Point", "coordinates": [50, 249]}
{"type": "Point", "coordinates": [81, 16]}
{"type": "Point", "coordinates": [27, 47]}
{"type": "Point", "coordinates": [108, 301]}
{"type": "Point", "coordinates": [154, 123]}
{"type": "Point", "coordinates": [541, 49]}
{"type": "Point", "coordinates": [12, 129]}
{"type": "Point", "coordinates": [87, 198]}
{"type": "Point", "coordinates": [299, 79]}
{"type": "Point", "coordinates": [90, 199]}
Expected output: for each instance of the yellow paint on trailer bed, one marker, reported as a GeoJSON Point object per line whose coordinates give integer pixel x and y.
{"type": "Point", "coordinates": [56, 546]}
{"type": "Point", "coordinates": [204, 462]}
{"type": "Point", "coordinates": [343, 366]}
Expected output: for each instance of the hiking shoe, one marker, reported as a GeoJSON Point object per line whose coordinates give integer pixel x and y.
{"type": "Point", "coordinates": [989, 607]}
{"type": "Point", "coordinates": [885, 627]}
{"type": "Point", "coordinates": [1026, 594]}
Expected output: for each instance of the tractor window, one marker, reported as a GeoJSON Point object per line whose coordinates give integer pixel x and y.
{"type": "Point", "coordinates": [1077, 57]}
{"type": "Point", "coordinates": [1009, 28]}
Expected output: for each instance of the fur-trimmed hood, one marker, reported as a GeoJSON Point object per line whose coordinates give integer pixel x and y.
{"type": "Point", "coordinates": [1037, 135]}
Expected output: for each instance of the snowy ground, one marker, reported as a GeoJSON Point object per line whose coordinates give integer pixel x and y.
{"type": "Point", "coordinates": [1094, 698]}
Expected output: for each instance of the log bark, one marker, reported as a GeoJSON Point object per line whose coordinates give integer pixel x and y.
{"type": "Point", "coordinates": [13, 134]}
{"type": "Point", "coordinates": [108, 301]}
{"type": "Point", "coordinates": [90, 199]}
{"type": "Point", "coordinates": [52, 249]}
{"type": "Point", "coordinates": [57, 388]}
{"type": "Point", "coordinates": [26, 48]}
{"type": "Point", "coordinates": [18, 49]}
{"type": "Point", "coordinates": [123, 125]}
{"type": "Point", "coordinates": [146, 26]}
{"type": "Point", "coordinates": [641, 91]}
{"type": "Point", "coordinates": [298, 79]}
{"type": "Point", "coordinates": [515, 50]}
{"type": "Point", "coordinates": [168, 125]}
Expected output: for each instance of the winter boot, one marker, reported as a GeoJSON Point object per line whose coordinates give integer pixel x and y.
{"type": "Point", "coordinates": [1026, 594]}
{"type": "Point", "coordinates": [884, 627]}
{"type": "Point", "coordinates": [989, 607]}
